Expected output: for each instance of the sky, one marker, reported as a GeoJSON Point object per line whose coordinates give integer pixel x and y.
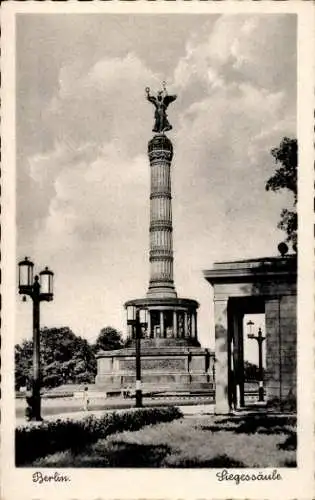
{"type": "Point", "coordinates": [82, 128]}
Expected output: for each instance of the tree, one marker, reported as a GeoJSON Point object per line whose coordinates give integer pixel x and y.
{"type": "Point", "coordinates": [65, 357]}
{"type": "Point", "coordinates": [23, 364]}
{"type": "Point", "coordinates": [285, 177]}
{"type": "Point", "coordinates": [251, 371]}
{"type": "Point", "coordinates": [108, 339]}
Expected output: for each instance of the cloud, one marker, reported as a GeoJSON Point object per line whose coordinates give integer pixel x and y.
{"type": "Point", "coordinates": [95, 235]}
{"type": "Point", "coordinates": [258, 49]}
{"type": "Point", "coordinates": [91, 196]}
{"type": "Point", "coordinates": [96, 123]}
{"type": "Point", "coordinates": [224, 138]}
{"type": "Point", "coordinates": [104, 105]}
{"type": "Point", "coordinates": [88, 169]}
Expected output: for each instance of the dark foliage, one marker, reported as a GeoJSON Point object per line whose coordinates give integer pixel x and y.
{"type": "Point", "coordinates": [219, 461]}
{"type": "Point", "coordinates": [290, 444]}
{"type": "Point", "coordinates": [34, 441]}
{"type": "Point", "coordinates": [23, 363]}
{"type": "Point", "coordinates": [109, 339]}
{"type": "Point", "coordinates": [251, 371]}
{"type": "Point", "coordinates": [290, 463]}
{"type": "Point", "coordinates": [285, 177]}
{"type": "Point", "coordinates": [65, 358]}
{"type": "Point", "coordinates": [252, 424]}
{"type": "Point", "coordinates": [121, 454]}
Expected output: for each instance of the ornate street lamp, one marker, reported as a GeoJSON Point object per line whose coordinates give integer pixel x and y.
{"type": "Point", "coordinates": [259, 337]}
{"type": "Point", "coordinates": [40, 288]}
{"type": "Point", "coordinates": [46, 283]}
{"type": "Point", "coordinates": [143, 317]}
{"type": "Point", "coordinates": [250, 325]}
{"type": "Point", "coordinates": [137, 319]}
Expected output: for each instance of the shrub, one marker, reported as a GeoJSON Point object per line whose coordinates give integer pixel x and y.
{"type": "Point", "coordinates": [34, 441]}
{"type": "Point", "coordinates": [51, 381]}
{"type": "Point", "coordinates": [59, 395]}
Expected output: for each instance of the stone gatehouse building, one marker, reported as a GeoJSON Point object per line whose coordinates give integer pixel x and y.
{"type": "Point", "coordinates": [266, 285]}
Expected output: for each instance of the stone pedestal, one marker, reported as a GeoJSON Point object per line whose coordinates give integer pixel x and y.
{"type": "Point", "coordinates": [171, 356]}
{"type": "Point", "coordinates": [166, 367]}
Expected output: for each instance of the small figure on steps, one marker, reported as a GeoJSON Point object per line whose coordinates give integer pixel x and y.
{"type": "Point", "coordinates": [86, 399]}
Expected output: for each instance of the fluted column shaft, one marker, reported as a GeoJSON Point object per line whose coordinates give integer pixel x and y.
{"type": "Point", "coordinates": [160, 151]}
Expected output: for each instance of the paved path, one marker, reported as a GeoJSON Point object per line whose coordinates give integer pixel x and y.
{"type": "Point", "coordinates": [70, 405]}
{"type": "Point", "coordinates": [77, 414]}
{"type": "Point", "coordinates": [193, 410]}
{"type": "Point", "coordinates": [55, 406]}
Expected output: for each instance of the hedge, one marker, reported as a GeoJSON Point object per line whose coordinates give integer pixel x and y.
{"type": "Point", "coordinates": [56, 395]}
{"type": "Point", "coordinates": [32, 442]}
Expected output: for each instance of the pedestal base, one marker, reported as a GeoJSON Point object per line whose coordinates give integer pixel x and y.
{"type": "Point", "coordinates": [166, 366]}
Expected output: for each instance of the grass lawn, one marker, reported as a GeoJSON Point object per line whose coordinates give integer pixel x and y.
{"type": "Point", "coordinates": [239, 441]}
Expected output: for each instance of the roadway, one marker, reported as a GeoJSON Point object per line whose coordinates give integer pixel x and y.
{"type": "Point", "coordinates": [58, 406]}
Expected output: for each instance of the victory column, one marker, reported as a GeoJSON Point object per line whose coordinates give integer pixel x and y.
{"type": "Point", "coordinates": [171, 356]}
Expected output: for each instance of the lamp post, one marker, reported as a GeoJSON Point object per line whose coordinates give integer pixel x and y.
{"type": "Point", "coordinates": [40, 288]}
{"type": "Point", "coordinates": [259, 337]}
{"type": "Point", "coordinates": [137, 319]}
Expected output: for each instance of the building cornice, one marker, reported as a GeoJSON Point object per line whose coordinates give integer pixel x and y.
{"type": "Point", "coordinates": [269, 268]}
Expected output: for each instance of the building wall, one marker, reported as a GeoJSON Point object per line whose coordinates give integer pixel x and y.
{"type": "Point", "coordinates": [281, 347]}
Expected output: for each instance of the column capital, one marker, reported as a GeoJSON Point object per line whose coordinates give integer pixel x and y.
{"type": "Point", "coordinates": [220, 299]}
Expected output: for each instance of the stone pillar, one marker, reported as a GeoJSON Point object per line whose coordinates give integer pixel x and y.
{"type": "Point", "coordinates": [288, 346]}
{"type": "Point", "coordinates": [273, 344]}
{"type": "Point", "coordinates": [196, 329]}
{"type": "Point", "coordinates": [185, 324]}
{"type": "Point", "coordinates": [180, 325]}
{"type": "Point", "coordinates": [280, 345]}
{"type": "Point", "coordinates": [129, 331]}
{"type": "Point", "coordinates": [221, 354]}
{"type": "Point", "coordinates": [162, 332]}
{"type": "Point", "coordinates": [194, 325]}
{"type": "Point", "coordinates": [161, 284]}
{"type": "Point", "coordinates": [149, 324]}
{"type": "Point", "coordinates": [238, 357]}
{"type": "Point", "coordinates": [241, 376]}
{"type": "Point", "coordinates": [174, 323]}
